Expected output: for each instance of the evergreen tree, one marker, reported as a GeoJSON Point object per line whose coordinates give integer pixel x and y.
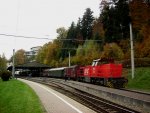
{"type": "Point", "coordinates": [108, 19]}
{"type": "Point", "coordinates": [79, 36]}
{"type": "Point", "coordinates": [122, 11]}
{"type": "Point", "coordinates": [86, 24]}
{"type": "Point", "coordinates": [70, 42]}
{"type": "Point", "coordinates": [71, 35]}
{"type": "Point", "coordinates": [115, 18]}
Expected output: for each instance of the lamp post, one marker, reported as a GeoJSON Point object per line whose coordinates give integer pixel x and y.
{"type": "Point", "coordinates": [13, 65]}
{"type": "Point", "coordinates": [69, 58]}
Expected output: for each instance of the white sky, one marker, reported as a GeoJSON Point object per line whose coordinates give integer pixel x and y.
{"type": "Point", "coordinates": [38, 18]}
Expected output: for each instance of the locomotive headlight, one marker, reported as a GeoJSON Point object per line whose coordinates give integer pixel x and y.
{"type": "Point", "coordinates": [93, 70]}
{"type": "Point", "coordinates": [86, 71]}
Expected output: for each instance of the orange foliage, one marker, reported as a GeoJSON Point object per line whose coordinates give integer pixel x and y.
{"type": "Point", "coordinates": [139, 12]}
{"type": "Point", "coordinates": [140, 16]}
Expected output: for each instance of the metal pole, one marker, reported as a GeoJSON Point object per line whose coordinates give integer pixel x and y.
{"type": "Point", "coordinates": [132, 51]}
{"type": "Point", "coordinates": [13, 65]}
{"type": "Point", "coordinates": [69, 58]}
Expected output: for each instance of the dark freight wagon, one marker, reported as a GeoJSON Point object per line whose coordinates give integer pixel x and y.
{"type": "Point", "coordinates": [72, 72]}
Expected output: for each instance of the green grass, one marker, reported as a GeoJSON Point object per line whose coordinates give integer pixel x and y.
{"type": "Point", "coordinates": [17, 97]}
{"type": "Point", "coordinates": [141, 80]}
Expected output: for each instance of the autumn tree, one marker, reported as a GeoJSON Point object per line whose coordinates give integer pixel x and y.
{"type": "Point", "coordinates": [98, 29]}
{"type": "Point", "coordinates": [20, 57]}
{"type": "Point", "coordinates": [89, 51]}
{"type": "Point", "coordinates": [52, 55]}
{"type": "Point", "coordinates": [62, 35]}
{"type": "Point", "coordinates": [98, 32]}
{"type": "Point", "coordinates": [42, 53]}
{"type": "Point", "coordinates": [112, 50]}
{"type": "Point", "coordinates": [3, 63]}
{"type": "Point", "coordinates": [48, 54]}
{"type": "Point", "coordinates": [140, 16]}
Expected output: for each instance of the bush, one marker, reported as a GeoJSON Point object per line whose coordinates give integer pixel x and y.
{"type": "Point", "coordinates": [5, 75]}
{"type": "Point", "coordinates": [112, 50]}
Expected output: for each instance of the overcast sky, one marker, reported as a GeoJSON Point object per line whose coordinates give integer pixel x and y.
{"type": "Point", "coordinates": [38, 18]}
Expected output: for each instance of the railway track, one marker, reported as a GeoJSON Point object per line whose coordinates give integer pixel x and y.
{"type": "Point", "coordinates": [95, 103]}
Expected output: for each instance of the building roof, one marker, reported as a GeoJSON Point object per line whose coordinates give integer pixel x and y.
{"type": "Point", "coordinates": [30, 65]}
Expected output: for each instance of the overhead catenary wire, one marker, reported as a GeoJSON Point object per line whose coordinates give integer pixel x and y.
{"type": "Point", "coordinates": [21, 36]}
{"type": "Point", "coordinates": [32, 37]}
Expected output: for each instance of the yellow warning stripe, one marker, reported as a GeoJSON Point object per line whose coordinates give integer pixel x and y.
{"type": "Point", "coordinates": [109, 84]}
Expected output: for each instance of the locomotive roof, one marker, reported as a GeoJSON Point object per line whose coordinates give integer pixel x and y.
{"type": "Point", "coordinates": [97, 60]}
{"type": "Point", "coordinates": [104, 59]}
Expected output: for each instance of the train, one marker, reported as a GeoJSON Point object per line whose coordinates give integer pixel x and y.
{"type": "Point", "coordinates": [103, 72]}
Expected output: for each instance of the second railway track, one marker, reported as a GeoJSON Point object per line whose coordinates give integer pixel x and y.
{"type": "Point", "coordinates": [135, 91]}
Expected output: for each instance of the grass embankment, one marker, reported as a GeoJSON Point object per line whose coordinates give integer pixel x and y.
{"type": "Point", "coordinates": [141, 80]}
{"type": "Point", "coordinates": [17, 97]}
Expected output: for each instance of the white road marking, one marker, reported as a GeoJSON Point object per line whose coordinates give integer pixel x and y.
{"type": "Point", "coordinates": [76, 109]}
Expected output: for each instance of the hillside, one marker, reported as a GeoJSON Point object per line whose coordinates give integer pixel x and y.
{"type": "Point", "coordinates": [99, 37]}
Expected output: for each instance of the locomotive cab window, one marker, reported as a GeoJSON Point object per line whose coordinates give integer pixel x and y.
{"type": "Point", "coordinates": [93, 63]}
{"type": "Point", "coordinates": [102, 61]}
